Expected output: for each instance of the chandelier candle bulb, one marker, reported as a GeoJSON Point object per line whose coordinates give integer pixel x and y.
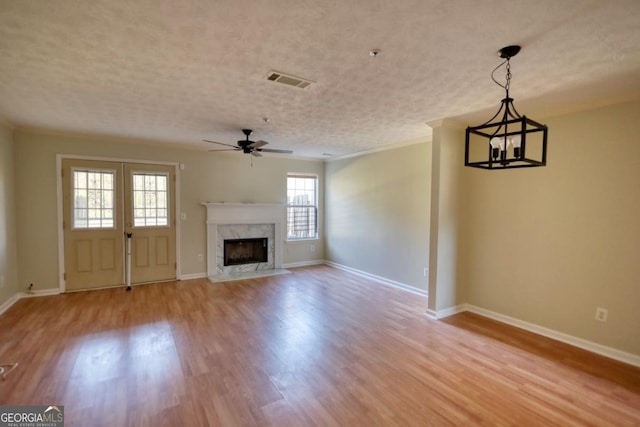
{"type": "Point", "coordinates": [516, 141]}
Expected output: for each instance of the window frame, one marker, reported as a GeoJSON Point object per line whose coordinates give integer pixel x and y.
{"type": "Point", "coordinates": [315, 205]}
{"type": "Point", "coordinates": [114, 175]}
{"type": "Point", "coordinates": [133, 173]}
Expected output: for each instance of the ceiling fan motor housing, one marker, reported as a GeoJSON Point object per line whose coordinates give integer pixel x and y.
{"type": "Point", "coordinates": [243, 143]}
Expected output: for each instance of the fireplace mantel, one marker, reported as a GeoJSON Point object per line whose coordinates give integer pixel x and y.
{"type": "Point", "coordinates": [240, 214]}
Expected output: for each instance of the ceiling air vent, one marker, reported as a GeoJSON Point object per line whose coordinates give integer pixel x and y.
{"type": "Point", "coordinates": [288, 79]}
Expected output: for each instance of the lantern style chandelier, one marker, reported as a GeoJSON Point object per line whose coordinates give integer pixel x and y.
{"type": "Point", "coordinates": [513, 141]}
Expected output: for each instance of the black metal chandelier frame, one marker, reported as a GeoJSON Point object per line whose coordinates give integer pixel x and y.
{"type": "Point", "coordinates": [511, 130]}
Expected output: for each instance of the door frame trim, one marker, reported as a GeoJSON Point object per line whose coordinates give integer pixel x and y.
{"type": "Point", "coordinates": [60, 157]}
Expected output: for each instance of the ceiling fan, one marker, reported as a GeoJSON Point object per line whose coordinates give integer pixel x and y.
{"type": "Point", "coordinates": [249, 147]}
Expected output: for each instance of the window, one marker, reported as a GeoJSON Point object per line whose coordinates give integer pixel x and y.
{"type": "Point", "coordinates": [93, 198]}
{"type": "Point", "coordinates": [150, 199]}
{"type": "Point", "coordinates": [302, 206]}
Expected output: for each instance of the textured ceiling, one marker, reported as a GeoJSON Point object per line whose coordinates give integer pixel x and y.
{"type": "Point", "coordinates": [186, 70]}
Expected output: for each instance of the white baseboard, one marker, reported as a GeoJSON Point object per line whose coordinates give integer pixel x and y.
{"type": "Point", "coordinates": [441, 314]}
{"type": "Point", "coordinates": [379, 279]}
{"type": "Point", "coordinates": [40, 293]}
{"type": "Point", "coordinates": [192, 276]}
{"type": "Point", "coordinates": [8, 303]}
{"type": "Point", "coordinates": [37, 293]}
{"type": "Point", "coordinates": [593, 347]}
{"type": "Point", "coordinates": [612, 353]}
{"type": "Point", "coordinates": [304, 263]}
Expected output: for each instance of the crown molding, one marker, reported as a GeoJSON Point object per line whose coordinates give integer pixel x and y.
{"type": "Point", "coordinates": [446, 123]}
{"type": "Point", "coordinates": [423, 140]}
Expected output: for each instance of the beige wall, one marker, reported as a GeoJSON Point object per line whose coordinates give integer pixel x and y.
{"type": "Point", "coordinates": [377, 213]}
{"type": "Point", "coordinates": [219, 177]}
{"type": "Point", "coordinates": [543, 245]}
{"type": "Point", "coordinates": [549, 245]}
{"type": "Point", "coordinates": [8, 244]}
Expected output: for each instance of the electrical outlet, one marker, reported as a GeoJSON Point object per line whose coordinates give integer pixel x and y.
{"type": "Point", "coordinates": [602, 314]}
{"type": "Point", "coordinates": [183, 216]}
{"type": "Point", "coordinates": [200, 257]}
{"type": "Point", "coordinates": [312, 248]}
{"type": "Point", "coordinates": [426, 272]}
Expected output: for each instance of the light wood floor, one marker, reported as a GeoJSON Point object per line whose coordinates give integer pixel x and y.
{"type": "Point", "coordinates": [316, 347]}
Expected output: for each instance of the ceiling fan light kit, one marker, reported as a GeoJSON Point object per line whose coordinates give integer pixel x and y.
{"type": "Point", "coordinates": [513, 141]}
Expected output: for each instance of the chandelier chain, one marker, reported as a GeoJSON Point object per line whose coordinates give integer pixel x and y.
{"type": "Point", "coordinates": [505, 86]}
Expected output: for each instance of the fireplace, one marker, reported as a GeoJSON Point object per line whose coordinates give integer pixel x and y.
{"type": "Point", "coordinates": [245, 251]}
{"type": "Point", "coordinates": [231, 221]}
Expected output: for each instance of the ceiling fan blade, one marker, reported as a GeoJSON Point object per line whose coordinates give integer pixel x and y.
{"type": "Point", "coordinates": [227, 149]}
{"type": "Point", "coordinates": [273, 150]}
{"type": "Point", "coordinates": [256, 154]}
{"type": "Point", "coordinates": [220, 143]}
{"type": "Point", "coordinates": [257, 144]}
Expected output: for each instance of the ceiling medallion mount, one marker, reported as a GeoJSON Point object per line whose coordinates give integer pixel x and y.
{"type": "Point", "coordinates": [510, 141]}
{"type": "Point", "coordinates": [509, 51]}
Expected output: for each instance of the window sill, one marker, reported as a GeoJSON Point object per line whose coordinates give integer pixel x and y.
{"type": "Point", "coordinates": [305, 239]}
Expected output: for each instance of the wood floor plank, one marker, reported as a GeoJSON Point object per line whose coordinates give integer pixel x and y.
{"type": "Point", "coordinates": [317, 347]}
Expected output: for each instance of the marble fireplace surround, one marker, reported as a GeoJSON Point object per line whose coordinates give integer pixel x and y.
{"type": "Point", "coordinates": [234, 218]}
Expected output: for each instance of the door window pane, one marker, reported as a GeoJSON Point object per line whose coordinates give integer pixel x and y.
{"type": "Point", "coordinates": [93, 198]}
{"type": "Point", "coordinates": [150, 199]}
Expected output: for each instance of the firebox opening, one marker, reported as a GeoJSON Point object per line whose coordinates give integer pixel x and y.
{"type": "Point", "coordinates": [245, 251]}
